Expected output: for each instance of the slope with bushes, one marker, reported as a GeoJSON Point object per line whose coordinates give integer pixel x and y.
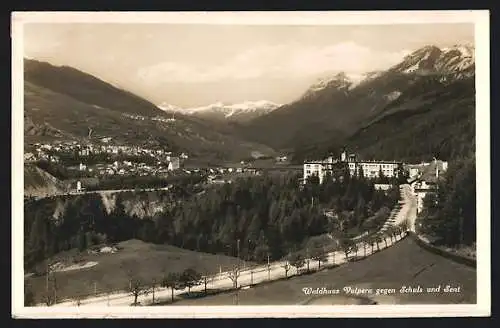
{"type": "Point", "coordinates": [38, 183]}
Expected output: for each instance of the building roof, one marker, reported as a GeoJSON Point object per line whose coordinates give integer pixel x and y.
{"type": "Point", "coordinates": [429, 171]}
{"type": "Point", "coordinates": [378, 162]}
{"type": "Point", "coordinates": [433, 188]}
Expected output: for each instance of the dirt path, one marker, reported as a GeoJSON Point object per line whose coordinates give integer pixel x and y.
{"type": "Point", "coordinates": [76, 267]}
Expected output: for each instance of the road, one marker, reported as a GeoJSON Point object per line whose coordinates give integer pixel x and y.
{"type": "Point", "coordinates": [250, 277]}
{"type": "Point", "coordinates": [408, 211]}
{"type": "Point", "coordinates": [105, 191]}
{"type": "Point", "coordinates": [406, 264]}
{"type": "Point", "coordinates": [412, 205]}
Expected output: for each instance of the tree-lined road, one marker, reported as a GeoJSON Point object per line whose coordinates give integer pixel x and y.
{"type": "Point", "coordinates": [257, 274]}
{"type": "Point", "coordinates": [222, 281]}
{"type": "Point", "coordinates": [405, 264]}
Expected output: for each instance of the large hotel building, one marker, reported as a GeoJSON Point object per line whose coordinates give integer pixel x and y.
{"type": "Point", "coordinates": [371, 169]}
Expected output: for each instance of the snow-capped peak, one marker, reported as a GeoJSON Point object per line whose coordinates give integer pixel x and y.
{"type": "Point", "coordinates": [453, 62]}
{"type": "Point", "coordinates": [465, 50]}
{"type": "Point", "coordinates": [244, 106]}
{"type": "Point", "coordinates": [457, 60]}
{"type": "Point", "coordinates": [340, 80]}
{"type": "Point", "coordinates": [169, 108]}
{"type": "Point", "coordinates": [254, 105]}
{"type": "Point", "coordinates": [248, 108]}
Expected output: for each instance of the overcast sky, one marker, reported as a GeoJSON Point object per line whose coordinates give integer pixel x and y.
{"type": "Point", "coordinates": [193, 65]}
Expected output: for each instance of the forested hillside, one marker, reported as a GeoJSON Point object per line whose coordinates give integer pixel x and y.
{"type": "Point", "coordinates": [270, 215]}
{"type": "Point", "coordinates": [422, 107]}
{"type": "Point", "coordinates": [450, 215]}
{"type": "Point", "coordinates": [442, 127]}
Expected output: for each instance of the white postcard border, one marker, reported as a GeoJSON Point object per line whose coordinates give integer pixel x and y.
{"type": "Point", "coordinates": [478, 17]}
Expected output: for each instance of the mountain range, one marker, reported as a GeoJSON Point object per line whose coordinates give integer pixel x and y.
{"type": "Point", "coordinates": [424, 106]}
{"type": "Point", "coordinates": [219, 111]}
{"type": "Point", "coordinates": [339, 112]}
{"type": "Point", "coordinates": [61, 102]}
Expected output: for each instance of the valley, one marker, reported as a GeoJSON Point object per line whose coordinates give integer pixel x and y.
{"type": "Point", "coordinates": [429, 85]}
{"type": "Point", "coordinates": [123, 196]}
{"type": "Point", "coordinates": [125, 118]}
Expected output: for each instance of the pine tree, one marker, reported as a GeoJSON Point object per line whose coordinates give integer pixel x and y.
{"type": "Point", "coordinates": [39, 236]}
{"type": "Point", "coordinates": [254, 228]}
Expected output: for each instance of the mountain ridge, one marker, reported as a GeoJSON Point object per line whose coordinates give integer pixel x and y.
{"type": "Point", "coordinates": [220, 111]}
{"type": "Point", "coordinates": [62, 102]}
{"type": "Point", "coordinates": [61, 79]}
{"type": "Point", "coordinates": [340, 107]}
{"type": "Point", "coordinates": [335, 110]}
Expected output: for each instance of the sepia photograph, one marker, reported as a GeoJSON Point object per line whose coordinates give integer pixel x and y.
{"type": "Point", "coordinates": [250, 164]}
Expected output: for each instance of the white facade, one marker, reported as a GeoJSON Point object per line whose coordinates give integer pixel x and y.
{"type": "Point", "coordinates": [420, 190]}
{"type": "Point", "coordinates": [382, 186]}
{"type": "Point", "coordinates": [318, 168]}
{"type": "Point", "coordinates": [373, 169]}
{"type": "Point", "coordinates": [313, 169]}
{"type": "Point", "coordinates": [174, 163]}
{"type": "Point", "coordinates": [414, 172]}
{"type": "Point", "coordinates": [426, 169]}
{"type": "Point", "coordinates": [343, 156]}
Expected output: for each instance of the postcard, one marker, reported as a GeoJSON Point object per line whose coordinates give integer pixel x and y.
{"type": "Point", "coordinates": [250, 164]}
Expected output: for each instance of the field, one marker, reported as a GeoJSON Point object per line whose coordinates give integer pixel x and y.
{"type": "Point", "coordinates": [145, 260]}
{"type": "Point", "coordinates": [405, 264]}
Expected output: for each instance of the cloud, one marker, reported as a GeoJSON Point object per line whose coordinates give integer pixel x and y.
{"type": "Point", "coordinates": [41, 47]}
{"type": "Point", "coordinates": [276, 61]}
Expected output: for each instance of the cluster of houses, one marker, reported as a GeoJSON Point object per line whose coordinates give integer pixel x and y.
{"type": "Point", "coordinates": [424, 177]}
{"type": "Point", "coordinates": [130, 168]}
{"type": "Point", "coordinates": [162, 162]}
{"type": "Point", "coordinates": [50, 150]}
{"type": "Point", "coordinates": [225, 175]}
{"type": "Point", "coordinates": [155, 118]}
